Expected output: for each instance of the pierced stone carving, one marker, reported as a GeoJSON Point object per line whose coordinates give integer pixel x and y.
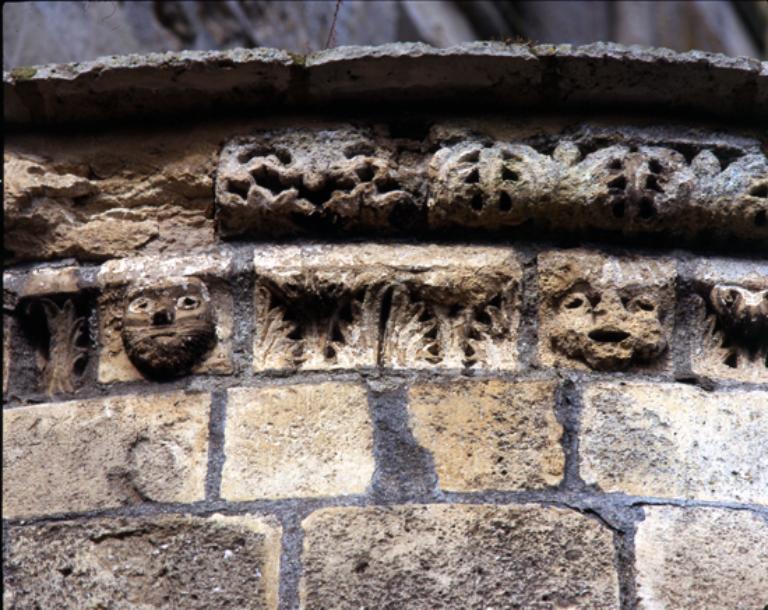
{"type": "Point", "coordinates": [168, 326]}
{"type": "Point", "coordinates": [64, 353]}
{"type": "Point", "coordinates": [624, 181]}
{"type": "Point", "coordinates": [292, 181]}
{"type": "Point", "coordinates": [606, 313]}
{"type": "Point", "coordinates": [739, 325]}
{"type": "Point", "coordinates": [383, 306]}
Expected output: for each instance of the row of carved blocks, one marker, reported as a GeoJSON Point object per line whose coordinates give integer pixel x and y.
{"type": "Point", "coordinates": [323, 307]}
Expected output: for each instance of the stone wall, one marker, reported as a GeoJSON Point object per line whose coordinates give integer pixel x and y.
{"type": "Point", "coordinates": [395, 360]}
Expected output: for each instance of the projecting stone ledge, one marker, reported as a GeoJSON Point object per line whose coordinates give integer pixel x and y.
{"type": "Point", "coordinates": [480, 74]}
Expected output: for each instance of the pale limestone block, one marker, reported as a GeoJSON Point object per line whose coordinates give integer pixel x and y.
{"type": "Point", "coordinates": [104, 452]}
{"type": "Point", "coordinates": [694, 558]}
{"type": "Point", "coordinates": [675, 441]}
{"type": "Point", "coordinates": [489, 434]}
{"type": "Point", "coordinates": [297, 440]}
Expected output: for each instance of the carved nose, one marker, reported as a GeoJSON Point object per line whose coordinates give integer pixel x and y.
{"type": "Point", "coordinates": [162, 317]}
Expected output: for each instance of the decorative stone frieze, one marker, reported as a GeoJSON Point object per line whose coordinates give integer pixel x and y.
{"type": "Point", "coordinates": [355, 180]}
{"type": "Point", "coordinates": [730, 317]}
{"type": "Point", "coordinates": [164, 317]}
{"type": "Point", "coordinates": [604, 312]}
{"type": "Point", "coordinates": [301, 180]}
{"type": "Point", "coordinates": [388, 306]}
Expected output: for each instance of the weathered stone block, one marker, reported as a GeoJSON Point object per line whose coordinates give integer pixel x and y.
{"type": "Point", "coordinates": [692, 558]}
{"type": "Point", "coordinates": [291, 181]}
{"type": "Point", "coordinates": [105, 452]}
{"type": "Point", "coordinates": [157, 562]}
{"type": "Point", "coordinates": [603, 312]}
{"type": "Point", "coordinates": [137, 288]}
{"type": "Point", "coordinates": [370, 305]}
{"type": "Point", "coordinates": [457, 557]}
{"type": "Point", "coordinates": [730, 317]}
{"type": "Point", "coordinates": [96, 197]}
{"type": "Point", "coordinates": [489, 434]}
{"type": "Point", "coordinates": [297, 440]}
{"type": "Point", "coordinates": [676, 441]}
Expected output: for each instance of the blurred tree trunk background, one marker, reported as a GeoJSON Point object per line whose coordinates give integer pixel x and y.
{"type": "Point", "coordinates": [45, 32]}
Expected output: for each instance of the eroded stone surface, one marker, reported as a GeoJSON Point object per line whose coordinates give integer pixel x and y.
{"type": "Point", "coordinates": [297, 440]}
{"type": "Point", "coordinates": [391, 306]}
{"type": "Point", "coordinates": [91, 199]}
{"type": "Point", "coordinates": [457, 556]}
{"type": "Point", "coordinates": [691, 558]}
{"type": "Point", "coordinates": [288, 182]}
{"type": "Point", "coordinates": [105, 452]}
{"type": "Point", "coordinates": [202, 344]}
{"type": "Point", "coordinates": [604, 312]}
{"type": "Point", "coordinates": [156, 562]}
{"type": "Point", "coordinates": [730, 317]}
{"type": "Point", "coordinates": [490, 434]}
{"type": "Point", "coordinates": [676, 441]}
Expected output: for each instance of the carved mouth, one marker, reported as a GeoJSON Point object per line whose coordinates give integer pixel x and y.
{"type": "Point", "coordinates": [606, 335]}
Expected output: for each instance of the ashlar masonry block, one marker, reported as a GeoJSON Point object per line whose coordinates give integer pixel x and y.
{"type": "Point", "coordinates": [676, 441]}
{"type": "Point", "coordinates": [297, 440]}
{"type": "Point", "coordinates": [692, 558]}
{"type": "Point", "coordinates": [730, 316]}
{"type": "Point", "coordinates": [489, 434]}
{"type": "Point", "coordinates": [460, 556]}
{"type": "Point", "coordinates": [603, 312]}
{"type": "Point", "coordinates": [391, 306]}
{"type": "Point", "coordinates": [156, 562]}
{"type": "Point", "coordinates": [135, 345]}
{"type": "Point", "coordinates": [104, 452]}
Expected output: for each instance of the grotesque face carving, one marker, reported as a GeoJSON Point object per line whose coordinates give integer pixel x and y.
{"type": "Point", "coordinates": [742, 324]}
{"type": "Point", "coordinates": [168, 327]}
{"type": "Point", "coordinates": [610, 328]}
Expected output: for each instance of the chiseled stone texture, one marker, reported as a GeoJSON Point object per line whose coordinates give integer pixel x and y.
{"type": "Point", "coordinates": [297, 440]}
{"type": "Point", "coordinates": [695, 558]}
{"type": "Point", "coordinates": [116, 277]}
{"type": "Point", "coordinates": [604, 312]}
{"type": "Point", "coordinates": [489, 434]}
{"type": "Point", "coordinates": [676, 441]}
{"type": "Point", "coordinates": [157, 562]}
{"type": "Point", "coordinates": [731, 343]}
{"type": "Point", "coordinates": [104, 452]}
{"type": "Point", "coordinates": [97, 197]}
{"type": "Point", "coordinates": [460, 556]}
{"type": "Point", "coordinates": [394, 306]}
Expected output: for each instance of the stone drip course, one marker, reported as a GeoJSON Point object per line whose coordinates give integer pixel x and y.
{"type": "Point", "coordinates": [437, 360]}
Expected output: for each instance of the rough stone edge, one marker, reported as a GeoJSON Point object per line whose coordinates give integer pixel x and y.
{"type": "Point", "coordinates": [480, 73]}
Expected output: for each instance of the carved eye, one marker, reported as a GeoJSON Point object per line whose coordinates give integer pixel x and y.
{"type": "Point", "coordinates": [139, 305]}
{"type": "Point", "coordinates": [642, 303]}
{"type": "Point", "coordinates": [575, 301]}
{"type": "Point", "coordinates": [730, 297]}
{"type": "Point", "coordinates": [188, 302]}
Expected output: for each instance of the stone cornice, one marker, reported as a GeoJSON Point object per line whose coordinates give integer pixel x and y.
{"type": "Point", "coordinates": [482, 74]}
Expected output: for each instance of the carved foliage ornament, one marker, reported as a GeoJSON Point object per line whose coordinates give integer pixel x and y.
{"type": "Point", "coordinates": [168, 327]}
{"type": "Point", "coordinates": [64, 353]}
{"type": "Point", "coordinates": [740, 324]}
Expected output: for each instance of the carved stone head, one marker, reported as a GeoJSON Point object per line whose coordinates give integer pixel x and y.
{"type": "Point", "coordinates": [609, 328]}
{"type": "Point", "coordinates": [169, 326]}
{"type": "Point", "coordinates": [741, 311]}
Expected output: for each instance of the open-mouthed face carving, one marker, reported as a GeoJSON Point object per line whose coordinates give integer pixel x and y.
{"type": "Point", "coordinates": [610, 328]}
{"type": "Point", "coordinates": [168, 327]}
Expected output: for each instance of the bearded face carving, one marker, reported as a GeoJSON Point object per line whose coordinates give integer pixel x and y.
{"type": "Point", "coordinates": [168, 327]}
{"type": "Point", "coordinates": [609, 329]}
